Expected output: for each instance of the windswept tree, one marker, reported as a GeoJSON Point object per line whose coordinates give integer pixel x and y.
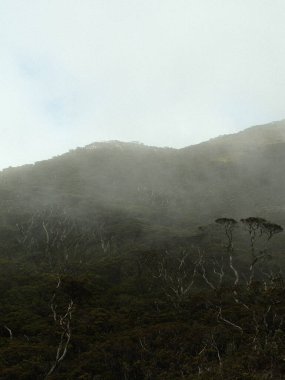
{"type": "Point", "coordinates": [258, 227]}
{"type": "Point", "coordinates": [271, 229]}
{"type": "Point", "coordinates": [254, 226]}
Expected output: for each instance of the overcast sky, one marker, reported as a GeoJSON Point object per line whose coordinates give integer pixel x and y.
{"type": "Point", "coordinates": [162, 72]}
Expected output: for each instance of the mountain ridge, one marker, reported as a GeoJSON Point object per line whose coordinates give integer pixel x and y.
{"type": "Point", "coordinates": [270, 133]}
{"type": "Point", "coordinates": [277, 127]}
{"type": "Point", "coordinates": [237, 174]}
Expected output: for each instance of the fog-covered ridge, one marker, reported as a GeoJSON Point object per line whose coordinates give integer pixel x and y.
{"type": "Point", "coordinates": [231, 174]}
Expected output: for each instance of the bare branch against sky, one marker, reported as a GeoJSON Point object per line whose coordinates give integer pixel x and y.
{"type": "Point", "coordinates": [163, 72]}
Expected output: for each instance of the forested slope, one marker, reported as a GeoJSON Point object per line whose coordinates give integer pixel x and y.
{"type": "Point", "coordinates": [122, 261]}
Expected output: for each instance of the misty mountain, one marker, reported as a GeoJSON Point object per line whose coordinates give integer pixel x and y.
{"type": "Point", "coordinates": [232, 175]}
{"type": "Point", "coordinates": [112, 267]}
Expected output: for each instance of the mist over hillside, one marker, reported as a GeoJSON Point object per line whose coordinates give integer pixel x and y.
{"type": "Point", "coordinates": [237, 175]}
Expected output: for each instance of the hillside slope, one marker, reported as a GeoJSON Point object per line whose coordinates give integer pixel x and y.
{"type": "Point", "coordinates": [105, 275]}
{"type": "Point", "coordinates": [231, 175]}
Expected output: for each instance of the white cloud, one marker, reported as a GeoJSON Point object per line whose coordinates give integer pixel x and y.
{"type": "Point", "coordinates": [159, 71]}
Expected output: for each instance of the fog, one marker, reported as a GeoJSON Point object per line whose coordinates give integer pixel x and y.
{"type": "Point", "coordinates": [166, 73]}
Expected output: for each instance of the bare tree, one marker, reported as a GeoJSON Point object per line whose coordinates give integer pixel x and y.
{"type": "Point", "coordinates": [62, 322]}
{"type": "Point", "coordinates": [177, 274]}
{"type": "Point", "coordinates": [56, 235]}
{"type": "Point", "coordinates": [9, 331]}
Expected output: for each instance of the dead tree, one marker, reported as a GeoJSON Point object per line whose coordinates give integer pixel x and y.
{"type": "Point", "coordinates": [9, 331]}
{"type": "Point", "coordinates": [62, 322]}
{"type": "Point", "coordinates": [56, 235]}
{"type": "Point", "coordinates": [177, 274]}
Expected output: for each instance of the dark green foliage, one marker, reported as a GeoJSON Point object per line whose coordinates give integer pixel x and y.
{"type": "Point", "coordinates": [136, 311]}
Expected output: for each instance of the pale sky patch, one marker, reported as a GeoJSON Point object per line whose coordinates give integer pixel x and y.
{"type": "Point", "coordinates": [163, 72]}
